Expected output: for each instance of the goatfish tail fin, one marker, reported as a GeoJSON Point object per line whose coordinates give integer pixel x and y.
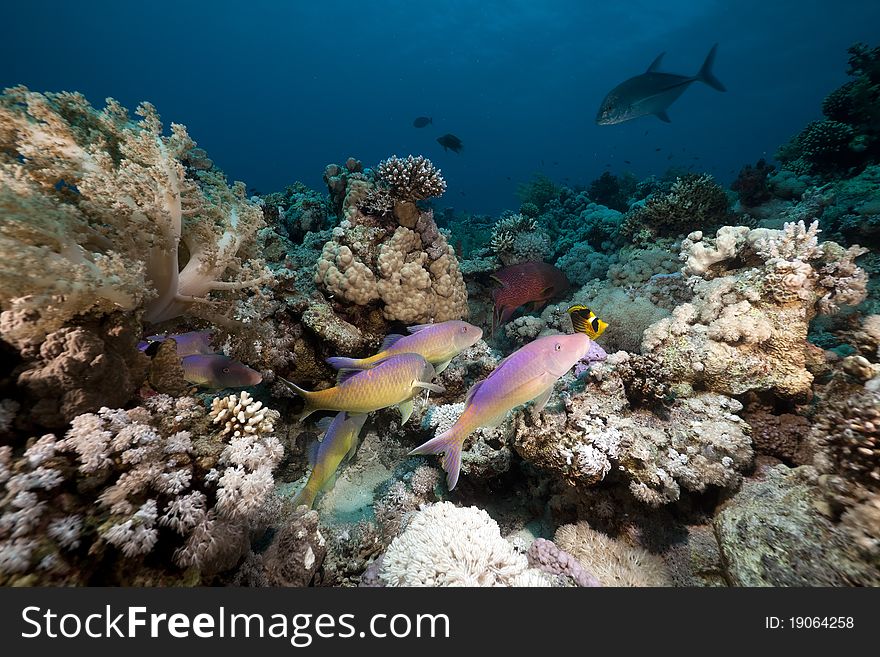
{"type": "Point", "coordinates": [306, 496]}
{"type": "Point", "coordinates": [449, 444]}
{"type": "Point", "coordinates": [706, 75]}
{"type": "Point", "coordinates": [307, 397]}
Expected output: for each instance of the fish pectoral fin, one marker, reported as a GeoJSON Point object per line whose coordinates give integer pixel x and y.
{"type": "Point", "coordinates": [541, 400]}
{"type": "Point", "coordinates": [406, 410]}
{"type": "Point", "coordinates": [663, 116]}
{"type": "Point", "coordinates": [441, 366]}
{"type": "Point", "coordinates": [496, 421]}
{"type": "Point", "coordinates": [433, 387]}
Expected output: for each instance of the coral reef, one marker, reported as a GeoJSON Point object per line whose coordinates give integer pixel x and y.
{"type": "Point", "coordinates": [755, 292]}
{"type": "Point", "coordinates": [99, 209]}
{"type": "Point", "coordinates": [162, 482]}
{"type": "Point", "coordinates": [614, 562]}
{"type": "Point", "coordinates": [413, 272]}
{"type": "Point", "coordinates": [446, 545]}
{"type": "Point", "coordinates": [693, 202]}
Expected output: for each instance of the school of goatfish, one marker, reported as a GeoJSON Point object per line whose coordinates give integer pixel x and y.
{"type": "Point", "coordinates": [406, 364]}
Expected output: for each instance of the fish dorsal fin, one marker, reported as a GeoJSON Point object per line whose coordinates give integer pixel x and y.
{"type": "Point", "coordinates": [344, 375]}
{"type": "Point", "coordinates": [663, 116]}
{"type": "Point", "coordinates": [389, 340]}
{"type": "Point", "coordinates": [419, 327]}
{"type": "Point", "coordinates": [312, 452]}
{"type": "Point", "coordinates": [656, 63]}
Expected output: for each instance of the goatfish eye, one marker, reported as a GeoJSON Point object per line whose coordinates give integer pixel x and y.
{"type": "Point", "coordinates": [584, 320]}
{"type": "Point", "coordinates": [558, 347]}
{"type": "Point", "coordinates": [464, 329]}
{"type": "Point", "coordinates": [226, 370]}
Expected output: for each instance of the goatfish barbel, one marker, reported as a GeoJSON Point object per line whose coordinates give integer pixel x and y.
{"type": "Point", "coordinates": [438, 343]}
{"type": "Point", "coordinates": [391, 382]}
{"type": "Point", "coordinates": [528, 373]}
{"type": "Point", "coordinates": [340, 442]}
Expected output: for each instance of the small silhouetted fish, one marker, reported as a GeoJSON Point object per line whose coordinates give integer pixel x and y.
{"type": "Point", "coordinates": [657, 149]}
{"type": "Point", "coordinates": [450, 142]}
{"type": "Point", "coordinates": [555, 162]}
{"type": "Point", "coordinates": [646, 131]}
{"type": "Point", "coordinates": [652, 92]}
{"type": "Point", "coordinates": [422, 121]}
{"type": "Point", "coordinates": [669, 157]}
{"type": "Point", "coordinates": [627, 162]}
{"type": "Point", "coordinates": [508, 177]}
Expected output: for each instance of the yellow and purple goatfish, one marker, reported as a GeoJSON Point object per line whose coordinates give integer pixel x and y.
{"type": "Point", "coordinates": [528, 373]}
{"type": "Point", "coordinates": [201, 365]}
{"type": "Point", "coordinates": [393, 381]}
{"type": "Point", "coordinates": [339, 443]}
{"type": "Point", "coordinates": [437, 343]}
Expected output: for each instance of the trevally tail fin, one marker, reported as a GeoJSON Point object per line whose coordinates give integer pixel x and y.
{"type": "Point", "coordinates": [448, 443]}
{"type": "Point", "coordinates": [705, 74]}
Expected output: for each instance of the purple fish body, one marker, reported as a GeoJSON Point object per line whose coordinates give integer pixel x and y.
{"type": "Point", "coordinates": [527, 374]}
{"type": "Point", "coordinates": [218, 371]}
{"type": "Point", "coordinates": [188, 344]}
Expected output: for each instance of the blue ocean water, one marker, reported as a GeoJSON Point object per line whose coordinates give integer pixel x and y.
{"type": "Point", "coordinates": [275, 91]}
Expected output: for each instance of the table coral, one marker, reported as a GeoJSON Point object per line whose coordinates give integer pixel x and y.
{"type": "Point", "coordinates": [99, 208]}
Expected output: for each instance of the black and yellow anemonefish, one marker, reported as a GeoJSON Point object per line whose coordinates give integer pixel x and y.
{"type": "Point", "coordinates": [584, 320]}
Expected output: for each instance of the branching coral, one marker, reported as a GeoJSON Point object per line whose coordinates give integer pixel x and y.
{"type": "Point", "coordinates": [694, 201]}
{"type": "Point", "coordinates": [411, 178]}
{"type": "Point", "coordinates": [517, 238]}
{"type": "Point", "coordinates": [160, 480]}
{"type": "Point", "coordinates": [99, 209]}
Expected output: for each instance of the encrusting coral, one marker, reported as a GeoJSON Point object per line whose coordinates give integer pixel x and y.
{"type": "Point", "coordinates": [755, 292]}
{"type": "Point", "coordinates": [99, 209]}
{"type": "Point", "coordinates": [406, 263]}
{"type": "Point", "coordinates": [446, 545]}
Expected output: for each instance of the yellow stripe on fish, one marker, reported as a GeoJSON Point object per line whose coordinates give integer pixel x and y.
{"type": "Point", "coordinates": [584, 320]}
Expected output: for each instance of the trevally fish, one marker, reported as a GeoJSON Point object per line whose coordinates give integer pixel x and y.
{"type": "Point", "coordinates": [652, 92]}
{"type": "Point", "coordinates": [438, 343]}
{"type": "Point", "coordinates": [528, 373]}
{"type": "Point", "coordinates": [392, 382]}
{"type": "Point", "coordinates": [340, 442]}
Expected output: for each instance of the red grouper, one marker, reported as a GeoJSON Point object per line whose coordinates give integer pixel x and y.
{"type": "Point", "coordinates": [438, 343]}
{"type": "Point", "coordinates": [533, 283]}
{"type": "Point", "coordinates": [528, 373]}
